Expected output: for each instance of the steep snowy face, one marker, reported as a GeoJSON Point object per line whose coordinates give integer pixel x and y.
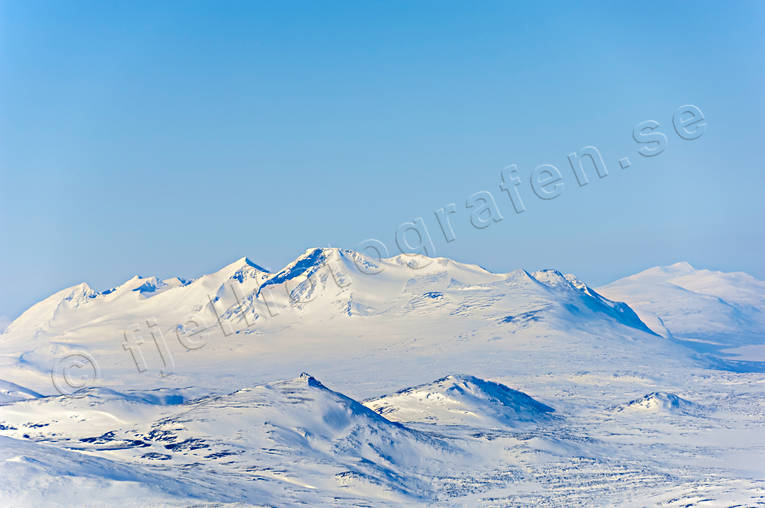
{"type": "Point", "coordinates": [581, 295]}
{"type": "Point", "coordinates": [685, 303]}
{"type": "Point", "coordinates": [462, 400]}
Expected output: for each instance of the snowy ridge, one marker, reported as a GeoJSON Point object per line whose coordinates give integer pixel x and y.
{"type": "Point", "coordinates": [660, 402]}
{"type": "Point", "coordinates": [698, 305]}
{"type": "Point", "coordinates": [461, 400]}
{"type": "Point", "coordinates": [43, 313]}
{"type": "Point", "coordinates": [11, 392]}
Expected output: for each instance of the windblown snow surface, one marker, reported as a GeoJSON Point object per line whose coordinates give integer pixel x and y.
{"type": "Point", "coordinates": [343, 380]}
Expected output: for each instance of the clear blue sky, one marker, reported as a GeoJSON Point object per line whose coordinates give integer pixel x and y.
{"type": "Point", "coordinates": [172, 138]}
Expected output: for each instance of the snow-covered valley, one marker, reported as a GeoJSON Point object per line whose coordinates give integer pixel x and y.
{"type": "Point", "coordinates": [343, 380]}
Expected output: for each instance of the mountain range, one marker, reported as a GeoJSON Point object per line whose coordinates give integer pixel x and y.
{"type": "Point", "coordinates": [450, 384]}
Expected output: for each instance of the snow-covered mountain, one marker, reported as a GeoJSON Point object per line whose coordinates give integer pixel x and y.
{"type": "Point", "coordinates": [338, 281]}
{"type": "Point", "coordinates": [177, 332]}
{"type": "Point", "coordinates": [184, 391]}
{"type": "Point", "coordinates": [660, 402]}
{"type": "Point", "coordinates": [461, 400]}
{"type": "Point", "coordinates": [709, 310]}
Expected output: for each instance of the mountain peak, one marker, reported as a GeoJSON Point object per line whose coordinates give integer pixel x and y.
{"type": "Point", "coordinates": [551, 277]}
{"type": "Point", "coordinates": [680, 268]}
{"type": "Point", "coordinates": [244, 261]}
{"type": "Point", "coordinates": [659, 402]}
{"type": "Point", "coordinates": [240, 269]}
{"type": "Point", "coordinates": [463, 400]}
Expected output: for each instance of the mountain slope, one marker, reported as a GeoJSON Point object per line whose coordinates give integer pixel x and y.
{"type": "Point", "coordinates": [461, 400]}
{"type": "Point", "coordinates": [660, 402]}
{"type": "Point", "coordinates": [11, 392]}
{"type": "Point", "coordinates": [702, 306]}
{"type": "Point", "coordinates": [46, 476]}
{"type": "Point", "coordinates": [290, 436]}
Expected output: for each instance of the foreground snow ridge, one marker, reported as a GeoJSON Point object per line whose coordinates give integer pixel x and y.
{"type": "Point", "coordinates": [284, 433]}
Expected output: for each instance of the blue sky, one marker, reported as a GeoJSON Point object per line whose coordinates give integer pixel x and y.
{"type": "Point", "coordinates": [172, 138]}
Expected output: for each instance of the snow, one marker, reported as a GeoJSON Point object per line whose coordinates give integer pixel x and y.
{"type": "Point", "coordinates": [45, 475]}
{"type": "Point", "coordinates": [567, 395]}
{"type": "Point", "coordinates": [660, 402]}
{"type": "Point", "coordinates": [709, 310]}
{"type": "Point", "coordinates": [461, 400]}
{"type": "Point", "coordinates": [11, 392]}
